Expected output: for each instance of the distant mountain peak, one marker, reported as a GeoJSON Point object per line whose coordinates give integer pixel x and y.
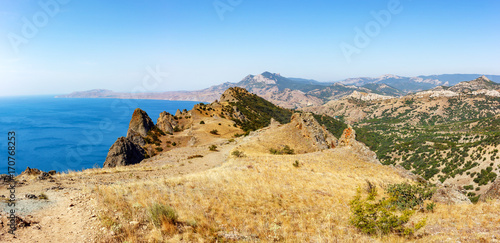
{"type": "Point", "coordinates": [265, 78]}
{"type": "Point", "coordinates": [388, 76]}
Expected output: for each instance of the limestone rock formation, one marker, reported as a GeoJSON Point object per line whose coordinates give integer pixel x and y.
{"type": "Point", "coordinates": [166, 122]}
{"type": "Point", "coordinates": [124, 152]}
{"type": "Point", "coordinates": [178, 113]}
{"type": "Point", "coordinates": [348, 139]}
{"type": "Point", "coordinates": [310, 128]}
{"type": "Point", "coordinates": [493, 192]}
{"type": "Point", "coordinates": [140, 123]}
{"type": "Point", "coordinates": [450, 194]}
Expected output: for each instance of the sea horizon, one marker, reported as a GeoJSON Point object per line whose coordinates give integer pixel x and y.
{"type": "Point", "coordinates": [70, 134]}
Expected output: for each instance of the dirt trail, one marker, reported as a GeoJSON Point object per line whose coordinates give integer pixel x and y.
{"type": "Point", "coordinates": [67, 215]}
{"type": "Point", "coordinates": [70, 213]}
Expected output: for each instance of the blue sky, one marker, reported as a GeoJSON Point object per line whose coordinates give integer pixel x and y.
{"type": "Point", "coordinates": [81, 45]}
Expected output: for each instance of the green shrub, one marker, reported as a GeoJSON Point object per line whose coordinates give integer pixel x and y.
{"type": "Point", "coordinates": [43, 196]}
{"type": "Point", "coordinates": [430, 207]}
{"type": "Point", "coordinates": [202, 122]}
{"type": "Point", "coordinates": [159, 149]}
{"type": "Point", "coordinates": [238, 154]}
{"type": "Point", "coordinates": [159, 213]}
{"type": "Point", "coordinates": [212, 147]}
{"type": "Point", "coordinates": [296, 163]}
{"type": "Point", "coordinates": [285, 150]}
{"type": "Point", "coordinates": [408, 196]}
{"type": "Point", "coordinates": [214, 132]}
{"type": "Point", "coordinates": [382, 217]}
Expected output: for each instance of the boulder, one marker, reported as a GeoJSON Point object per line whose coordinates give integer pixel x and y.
{"type": "Point", "coordinates": [140, 123]}
{"type": "Point", "coordinates": [310, 128]}
{"type": "Point", "coordinates": [124, 152]}
{"type": "Point", "coordinates": [493, 191]}
{"type": "Point", "coordinates": [166, 122]}
{"type": "Point", "coordinates": [450, 194]}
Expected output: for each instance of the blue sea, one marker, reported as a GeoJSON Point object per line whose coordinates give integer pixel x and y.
{"type": "Point", "coordinates": [67, 133]}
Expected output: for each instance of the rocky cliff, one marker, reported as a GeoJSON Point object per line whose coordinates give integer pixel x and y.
{"type": "Point", "coordinates": [128, 150]}
{"type": "Point", "coordinates": [140, 123]}
{"type": "Point", "coordinates": [124, 152]}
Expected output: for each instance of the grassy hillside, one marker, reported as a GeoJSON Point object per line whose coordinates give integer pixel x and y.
{"type": "Point", "coordinates": [257, 111]}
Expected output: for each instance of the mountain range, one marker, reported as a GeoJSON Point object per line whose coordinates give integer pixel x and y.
{"type": "Point", "coordinates": [298, 92]}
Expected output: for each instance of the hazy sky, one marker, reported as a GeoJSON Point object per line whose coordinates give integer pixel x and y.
{"type": "Point", "coordinates": [54, 47]}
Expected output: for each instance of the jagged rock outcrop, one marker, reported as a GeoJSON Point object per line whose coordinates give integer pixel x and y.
{"type": "Point", "coordinates": [493, 192]}
{"type": "Point", "coordinates": [36, 172]}
{"type": "Point", "coordinates": [166, 122]}
{"type": "Point", "coordinates": [178, 113]}
{"type": "Point", "coordinates": [31, 171]}
{"type": "Point", "coordinates": [140, 123]}
{"type": "Point", "coordinates": [124, 152]}
{"type": "Point", "coordinates": [348, 139]}
{"type": "Point", "coordinates": [310, 128]}
{"type": "Point", "coordinates": [450, 194]}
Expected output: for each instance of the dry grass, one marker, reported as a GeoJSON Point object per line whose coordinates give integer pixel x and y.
{"type": "Point", "coordinates": [264, 198]}
{"type": "Point", "coordinates": [261, 198]}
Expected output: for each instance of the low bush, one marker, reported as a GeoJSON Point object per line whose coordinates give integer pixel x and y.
{"type": "Point", "coordinates": [381, 217]}
{"type": "Point", "coordinates": [284, 150]}
{"type": "Point", "coordinates": [408, 196]}
{"type": "Point", "coordinates": [238, 154]}
{"type": "Point", "coordinates": [160, 213]}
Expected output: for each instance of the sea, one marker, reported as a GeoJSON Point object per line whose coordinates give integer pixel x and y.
{"type": "Point", "coordinates": [69, 134]}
